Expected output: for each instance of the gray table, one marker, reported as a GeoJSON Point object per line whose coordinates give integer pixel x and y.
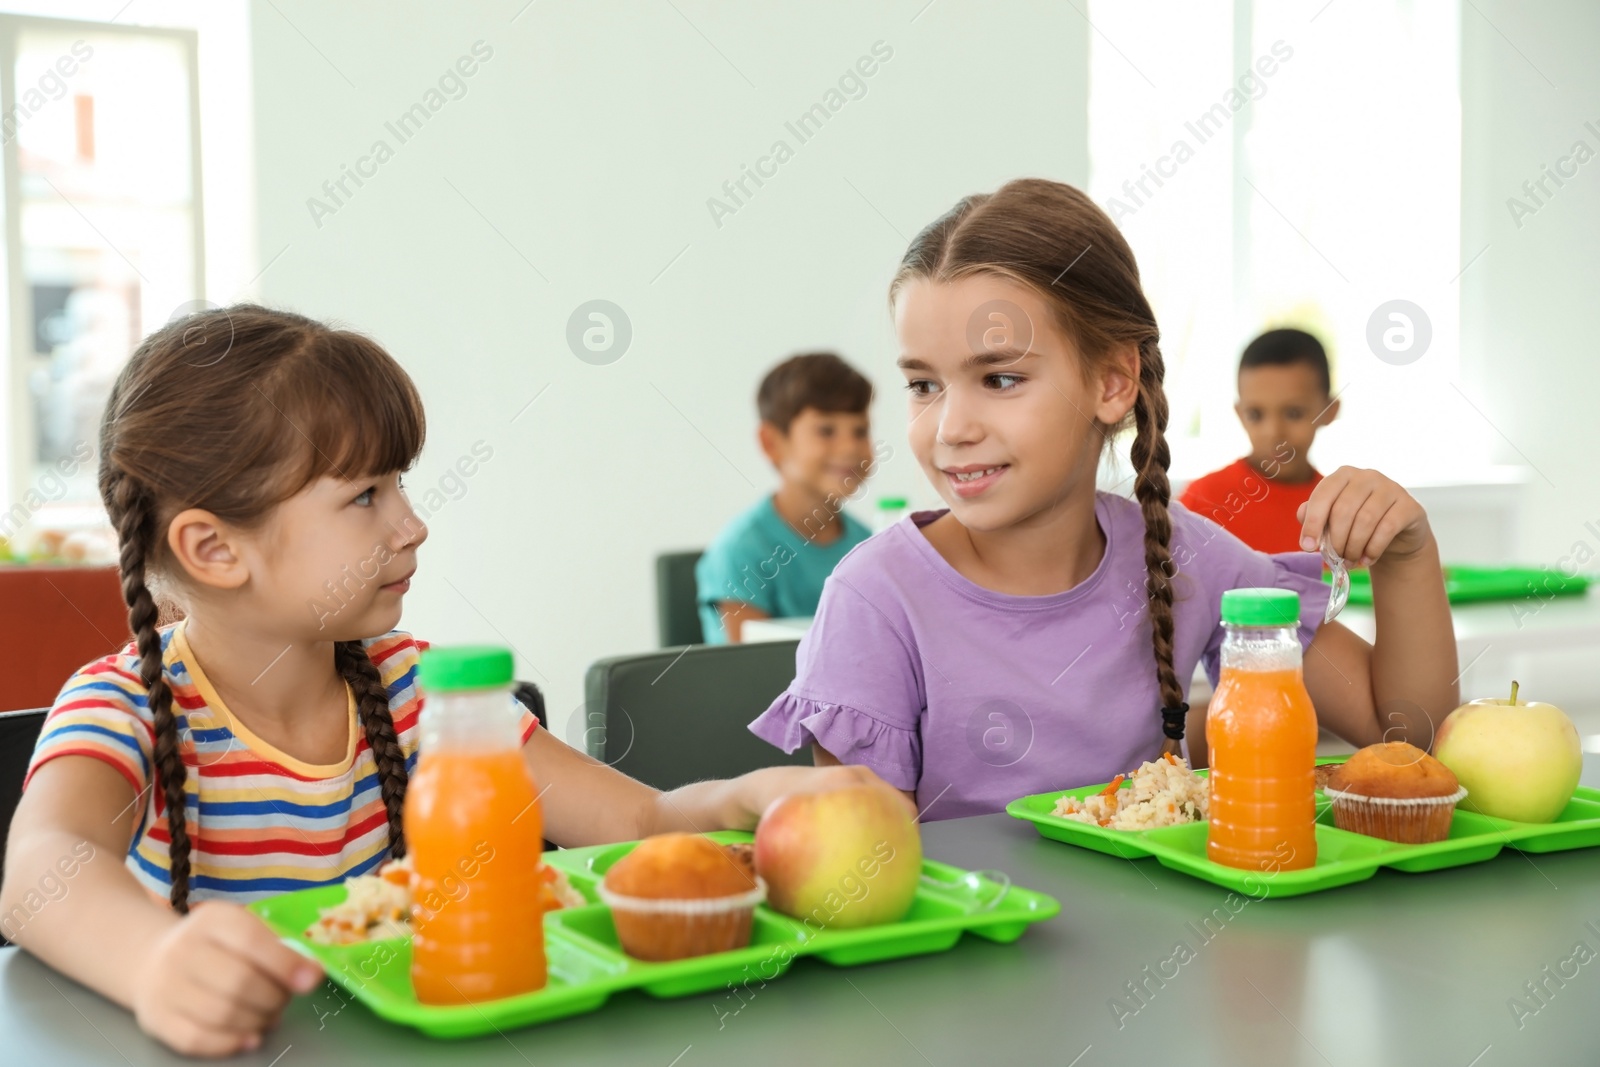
{"type": "Point", "coordinates": [1403, 969]}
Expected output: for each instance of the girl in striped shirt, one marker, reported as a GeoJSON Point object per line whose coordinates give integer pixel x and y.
{"type": "Point", "coordinates": [250, 461]}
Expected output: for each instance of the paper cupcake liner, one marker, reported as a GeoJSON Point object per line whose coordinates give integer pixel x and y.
{"type": "Point", "coordinates": [661, 930]}
{"type": "Point", "coordinates": [673, 906]}
{"type": "Point", "coordinates": [1407, 820]}
{"type": "Point", "coordinates": [1396, 802]}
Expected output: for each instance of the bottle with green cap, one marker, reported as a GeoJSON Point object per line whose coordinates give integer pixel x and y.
{"type": "Point", "coordinates": [1261, 731]}
{"type": "Point", "coordinates": [475, 835]}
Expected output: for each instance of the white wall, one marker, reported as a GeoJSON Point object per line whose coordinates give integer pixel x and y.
{"type": "Point", "coordinates": [1529, 85]}
{"type": "Point", "coordinates": [590, 142]}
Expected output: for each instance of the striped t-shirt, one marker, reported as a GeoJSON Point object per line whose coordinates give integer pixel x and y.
{"type": "Point", "coordinates": [260, 821]}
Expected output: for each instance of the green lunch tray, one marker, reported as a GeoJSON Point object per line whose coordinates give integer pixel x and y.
{"type": "Point", "coordinates": [1343, 857]}
{"type": "Point", "coordinates": [1466, 585]}
{"type": "Point", "coordinates": [587, 964]}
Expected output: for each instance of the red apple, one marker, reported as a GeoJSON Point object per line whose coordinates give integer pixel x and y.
{"type": "Point", "coordinates": [840, 859]}
{"type": "Point", "coordinates": [1518, 761]}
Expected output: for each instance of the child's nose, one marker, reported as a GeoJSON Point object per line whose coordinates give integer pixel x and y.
{"type": "Point", "coordinates": [408, 530]}
{"type": "Point", "coordinates": [958, 423]}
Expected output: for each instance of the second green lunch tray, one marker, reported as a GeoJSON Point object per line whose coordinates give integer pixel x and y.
{"type": "Point", "coordinates": [1468, 585]}
{"type": "Point", "coordinates": [587, 963]}
{"type": "Point", "coordinates": [1343, 857]}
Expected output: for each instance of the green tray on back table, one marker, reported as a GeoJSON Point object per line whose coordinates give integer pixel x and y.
{"type": "Point", "coordinates": [1343, 857]}
{"type": "Point", "coordinates": [1467, 585]}
{"type": "Point", "coordinates": [587, 964]}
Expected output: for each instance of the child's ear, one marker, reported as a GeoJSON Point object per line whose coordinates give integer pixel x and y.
{"type": "Point", "coordinates": [202, 545]}
{"type": "Point", "coordinates": [772, 442]}
{"type": "Point", "coordinates": [1329, 413]}
{"type": "Point", "coordinates": [1238, 409]}
{"type": "Point", "coordinates": [1119, 385]}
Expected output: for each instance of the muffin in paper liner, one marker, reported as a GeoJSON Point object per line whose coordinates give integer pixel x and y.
{"type": "Point", "coordinates": [673, 929]}
{"type": "Point", "coordinates": [1407, 820]}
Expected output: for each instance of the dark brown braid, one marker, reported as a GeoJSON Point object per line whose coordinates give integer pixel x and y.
{"type": "Point", "coordinates": [1055, 240]}
{"type": "Point", "coordinates": [372, 704]}
{"type": "Point", "coordinates": [232, 411]}
{"type": "Point", "coordinates": [1151, 458]}
{"type": "Point", "coordinates": [136, 529]}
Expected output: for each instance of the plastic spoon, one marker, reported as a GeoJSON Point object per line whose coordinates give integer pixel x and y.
{"type": "Point", "coordinates": [1341, 580]}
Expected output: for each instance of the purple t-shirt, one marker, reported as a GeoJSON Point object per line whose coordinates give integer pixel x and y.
{"type": "Point", "coordinates": [974, 698]}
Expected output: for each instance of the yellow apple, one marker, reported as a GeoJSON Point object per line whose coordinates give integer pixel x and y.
{"type": "Point", "coordinates": [1518, 761]}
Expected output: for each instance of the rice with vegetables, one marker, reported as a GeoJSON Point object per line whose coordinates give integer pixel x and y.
{"type": "Point", "coordinates": [379, 905]}
{"type": "Point", "coordinates": [374, 906]}
{"type": "Point", "coordinates": [1163, 792]}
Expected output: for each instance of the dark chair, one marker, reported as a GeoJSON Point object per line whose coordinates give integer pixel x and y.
{"type": "Point", "coordinates": [18, 731]}
{"type": "Point", "coordinates": [681, 715]}
{"type": "Point", "coordinates": [677, 600]}
{"type": "Point", "coordinates": [528, 696]}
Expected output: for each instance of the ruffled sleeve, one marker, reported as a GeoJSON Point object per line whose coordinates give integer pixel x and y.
{"type": "Point", "coordinates": [857, 690]}
{"type": "Point", "coordinates": [893, 752]}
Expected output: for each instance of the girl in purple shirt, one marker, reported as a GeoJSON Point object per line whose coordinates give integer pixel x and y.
{"type": "Point", "coordinates": [1038, 634]}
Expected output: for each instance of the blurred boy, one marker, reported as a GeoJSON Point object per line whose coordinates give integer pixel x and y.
{"type": "Point", "coordinates": [771, 561]}
{"type": "Point", "coordinates": [1284, 397]}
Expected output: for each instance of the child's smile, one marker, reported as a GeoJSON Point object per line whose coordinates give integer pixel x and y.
{"type": "Point", "coordinates": [974, 478]}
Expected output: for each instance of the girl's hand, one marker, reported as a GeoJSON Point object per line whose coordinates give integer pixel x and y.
{"type": "Point", "coordinates": [218, 980]}
{"type": "Point", "coordinates": [758, 789]}
{"type": "Point", "coordinates": [1367, 517]}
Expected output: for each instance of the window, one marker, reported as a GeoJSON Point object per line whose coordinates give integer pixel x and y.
{"type": "Point", "coordinates": [102, 229]}
{"type": "Point", "coordinates": [1273, 164]}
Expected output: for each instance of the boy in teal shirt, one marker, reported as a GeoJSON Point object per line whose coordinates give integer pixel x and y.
{"type": "Point", "coordinates": [771, 561]}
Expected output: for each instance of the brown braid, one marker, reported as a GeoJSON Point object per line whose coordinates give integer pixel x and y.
{"type": "Point", "coordinates": [135, 510]}
{"type": "Point", "coordinates": [372, 704]}
{"type": "Point", "coordinates": [1151, 457]}
{"type": "Point", "coordinates": [1055, 240]}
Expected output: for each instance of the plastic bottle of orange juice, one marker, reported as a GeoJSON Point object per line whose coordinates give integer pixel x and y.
{"type": "Point", "coordinates": [475, 835]}
{"type": "Point", "coordinates": [1262, 734]}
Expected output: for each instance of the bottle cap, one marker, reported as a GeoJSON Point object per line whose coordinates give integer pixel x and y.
{"type": "Point", "coordinates": [1261, 607]}
{"type": "Point", "coordinates": [458, 668]}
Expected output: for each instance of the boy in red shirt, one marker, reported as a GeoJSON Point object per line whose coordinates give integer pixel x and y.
{"type": "Point", "coordinates": [1284, 396]}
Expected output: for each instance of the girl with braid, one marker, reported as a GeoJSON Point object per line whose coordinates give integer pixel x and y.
{"type": "Point", "coordinates": [1038, 634]}
{"type": "Point", "coordinates": [250, 461]}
